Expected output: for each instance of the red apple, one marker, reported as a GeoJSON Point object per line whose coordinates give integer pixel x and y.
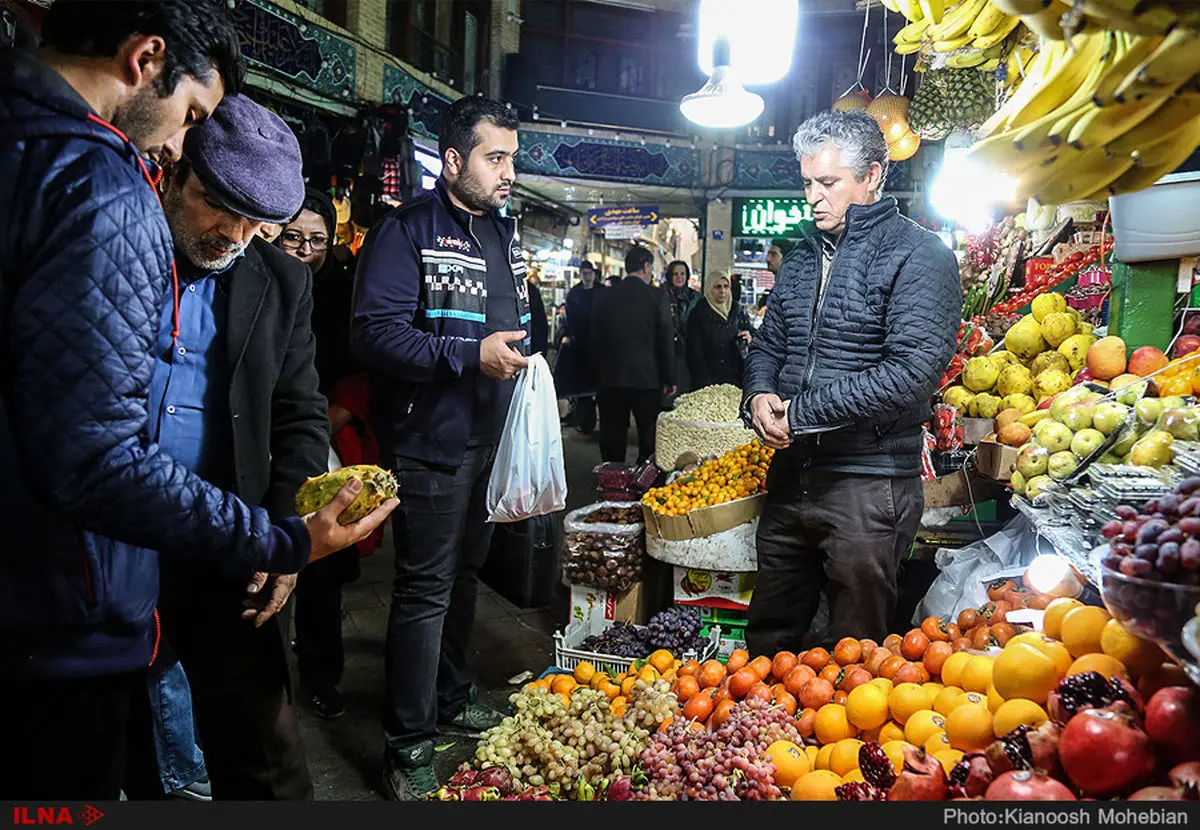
{"type": "Point", "coordinates": [1192, 326]}
{"type": "Point", "coordinates": [1185, 345]}
{"type": "Point", "coordinates": [1146, 360]}
{"type": "Point", "coordinates": [1082, 376]}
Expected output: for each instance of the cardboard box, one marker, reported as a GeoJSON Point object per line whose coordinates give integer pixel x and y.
{"type": "Point", "coordinates": [598, 609]}
{"type": "Point", "coordinates": [721, 616]}
{"type": "Point", "coordinates": [714, 589]}
{"type": "Point", "coordinates": [976, 429]}
{"type": "Point", "coordinates": [947, 491]}
{"type": "Point", "coordinates": [995, 460]}
{"type": "Point", "coordinates": [703, 522]}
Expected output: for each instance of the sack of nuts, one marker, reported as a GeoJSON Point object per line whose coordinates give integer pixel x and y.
{"type": "Point", "coordinates": [605, 543]}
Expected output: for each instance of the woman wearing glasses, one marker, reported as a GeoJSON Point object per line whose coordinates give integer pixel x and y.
{"type": "Point", "coordinates": [311, 238]}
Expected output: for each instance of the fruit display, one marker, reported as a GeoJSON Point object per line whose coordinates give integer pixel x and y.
{"type": "Point", "coordinates": [970, 33]}
{"type": "Point", "coordinates": [676, 629]}
{"type": "Point", "coordinates": [705, 424]}
{"type": "Point", "coordinates": [1068, 269]}
{"type": "Point", "coordinates": [739, 473]}
{"type": "Point", "coordinates": [604, 545]}
{"type": "Point", "coordinates": [987, 265]}
{"type": "Point", "coordinates": [379, 485]}
{"type": "Point", "coordinates": [951, 99]}
{"type": "Point", "coordinates": [973, 341]}
{"type": "Point", "coordinates": [1106, 111]}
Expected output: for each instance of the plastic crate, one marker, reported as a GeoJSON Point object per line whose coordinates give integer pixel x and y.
{"type": "Point", "coordinates": [568, 655]}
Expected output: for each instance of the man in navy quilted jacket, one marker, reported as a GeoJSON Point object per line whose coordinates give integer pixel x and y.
{"type": "Point", "coordinates": [861, 323]}
{"type": "Point", "coordinates": [85, 269]}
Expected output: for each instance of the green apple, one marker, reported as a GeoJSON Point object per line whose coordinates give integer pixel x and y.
{"type": "Point", "coordinates": [1149, 410]}
{"type": "Point", "coordinates": [1086, 442]}
{"type": "Point", "coordinates": [1055, 437]}
{"type": "Point", "coordinates": [1129, 395]}
{"type": "Point", "coordinates": [1035, 486]}
{"type": "Point", "coordinates": [1109, 416]}
{"type": "Point", "coordinates": [1061, 465]}
{"type": "Point", "coordinates": [1032, 460]}
{"type": "Point", "coordinates": [1078, 416]}
{"type": "Point", "coordinates": [1064, 399]}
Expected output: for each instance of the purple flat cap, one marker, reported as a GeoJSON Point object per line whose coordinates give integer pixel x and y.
{"type": "Point", "coordinates": [249, 160]}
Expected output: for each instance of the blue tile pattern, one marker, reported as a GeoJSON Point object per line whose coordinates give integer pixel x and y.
{"type": "Point", "coordinates": [304, 53]}
{"type": "Point", "coordinates": [779, 170]}
{"type": "Point", "coordinates": [399, 87]}
{"type": "Point", "coordinates": [572, 156]}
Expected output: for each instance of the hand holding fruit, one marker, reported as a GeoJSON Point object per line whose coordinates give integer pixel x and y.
{"type": "Point", "coordinates": [328, 535]}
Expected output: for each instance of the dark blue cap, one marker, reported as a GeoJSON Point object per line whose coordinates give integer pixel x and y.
{"type": "Point", "coordinates": [249, 160]}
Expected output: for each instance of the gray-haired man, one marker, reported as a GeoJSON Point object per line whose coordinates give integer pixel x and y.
{"type": "Point", "coordinates": [861, 323]}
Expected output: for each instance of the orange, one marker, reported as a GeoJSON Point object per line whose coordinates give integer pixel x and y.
{"type": "Point", "coordinates": [599, 679]}
{"type": "Point", "coordinates": [938, 742]}
{"type": "Point", "coordinates": [1107, 666]}
{"type": "Point", "coordinates": [946, 700]}
{"type": "Point", "coordinates": [584, 672]}
{"type": "Point", "coordinates": [790, 761]}
{"type": "Point", "coordinates": [1013, 713]}
{"type": "Point", "coordinates": [853, 776]}
{"type": "Point", "coordinates": [845, 756]}
{"type": "Point", "coordinates": [1139, 656]}
{"type": "Point", "coordinates": [890, 731]}
{"type": "Point", "coordinates": [648, 674]}
{"type": "Point", "coordinates": [662, 660]}
{"type": "Point", "coordinates": [563, 683]}
{"type": "Point", "coordinates": [867, 706]}
{"type": "Point", "coordinates": [994, 700]}
{"type": "Point", "coordinates": [894, 750]}
{"type": "Point", "coordinates": [1023, 671]}
{"type": "Point", "coordinates": [820, 785]}
{"type": "Point", "coordinates": [1055, 611]}
{"type": "Point", "coordinates": [1082, 628]}
{"type": "Point", "coordinates": [883, 683]}
{"type": "Point", "coordinates": [922, 725]}
{"type": "Point", "coordinates": [948, 758]}
{"type": "Point", "coordinates": [952, 668]}
{"type": "Point", "coordinates": [822, 761]}
{"type": "Point", "coordinates": [969, 728]}
{"type": "Point", "coordinates": [832, 724]}
{"type": "Point", "coordinates": [973, 699]}
{"type": "Point", "coordinates": [812, 752]}
{"type": "Point", "coordinates": [977, 674]}
{"type": "Point", "coordinates": [1052, 648]}
{"type": "Point", "coordinates": [906, 699]}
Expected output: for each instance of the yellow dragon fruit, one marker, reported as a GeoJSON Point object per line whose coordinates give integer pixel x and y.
{"type": "Point", "coordinates": [378, 486]}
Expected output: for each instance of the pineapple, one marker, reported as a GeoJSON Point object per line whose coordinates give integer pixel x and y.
{"type": "Point", "coordinates": [378, 486]}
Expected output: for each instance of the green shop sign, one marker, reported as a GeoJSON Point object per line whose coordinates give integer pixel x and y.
{"type": "Point", "coordinates": [770, 217]}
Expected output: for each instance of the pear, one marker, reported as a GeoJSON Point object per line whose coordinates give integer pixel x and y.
{"type": "Point", "coordinates": [1017, 482]}
{"type": "Point", "coordinates": [1061, 465]}
{"type": "Point", "coordinates": [1055, 437]}
{"type": "Point", "coordinates": [1086, 442]}
{"type": "Point", "coordinates": [1182, 424]}
{"type": "Point", "coordinates": [1078, 416]}
{"type": "Point", "coordinates": [1152, 451]}
{"type": "Point", "coordinates": [1109, 417]}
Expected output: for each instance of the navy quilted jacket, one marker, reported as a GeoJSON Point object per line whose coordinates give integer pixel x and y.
{"type": "Point", "coordinates": [861, 365]}
{"type": "Point", "coordinates": [85, 267]}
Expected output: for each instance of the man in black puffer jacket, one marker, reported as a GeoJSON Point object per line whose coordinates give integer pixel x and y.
{"type": "Point", "coordinates": [861, 323]}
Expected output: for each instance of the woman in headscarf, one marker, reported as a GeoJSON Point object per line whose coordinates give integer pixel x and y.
{"type": "Point", "coordinates": [717, 335]}
{"type": "Point", "coordinates": [311, 237]}
{"type": "Point", "coordinates": [682, 298]}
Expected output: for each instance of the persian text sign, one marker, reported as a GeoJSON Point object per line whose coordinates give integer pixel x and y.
{"type": "Point", "coordinates": [624, 215]}
{"type": "Point", "coordinates": [769, 216]}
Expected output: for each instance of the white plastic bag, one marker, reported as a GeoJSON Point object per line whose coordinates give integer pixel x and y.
{"type": "Point", "coordinates": [528, 478]}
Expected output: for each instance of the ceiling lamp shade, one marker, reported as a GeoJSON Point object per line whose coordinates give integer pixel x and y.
{"type": "Point", "coordinates": [761, 35]}
{"type": "Point", "coordinates": [722, 102]}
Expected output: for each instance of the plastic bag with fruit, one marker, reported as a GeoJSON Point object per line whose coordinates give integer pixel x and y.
{"type": "Point", "coordinates": [948, 432]}
{"type": "Point", "coordinates": [528, 478]}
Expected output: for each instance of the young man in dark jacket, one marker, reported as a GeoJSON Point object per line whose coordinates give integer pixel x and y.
{"type": "Point", "coordinates": [234, 398]}
{"type": "Point", "coordinates": [861, 323]}
{"type": "Point", "coordinates": [634, 354]}
{"type": "Point", "coordinates": [85, 267]}
{"type": "Point", "coordinates": [441, 320]}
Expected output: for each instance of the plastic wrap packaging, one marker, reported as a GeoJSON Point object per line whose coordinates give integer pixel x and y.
{"type": "Point", "coordinates": [604, 554]}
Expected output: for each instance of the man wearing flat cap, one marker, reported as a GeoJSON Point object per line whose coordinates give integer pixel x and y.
{"type": "Point", "coordinates": [234, 397]}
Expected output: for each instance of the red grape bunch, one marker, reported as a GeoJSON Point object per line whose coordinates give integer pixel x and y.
{"type": "Point", "coordinates": [1162, 543]}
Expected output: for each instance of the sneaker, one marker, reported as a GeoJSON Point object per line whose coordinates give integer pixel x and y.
{"type": "Point", "coordinates": [196, 791]}
{"type": "Point", "coordinates": [409, 777]}
{"type": "Point", "coordinates": [327, 704]}
{"type": "Point", "coordinates": [474, 718]}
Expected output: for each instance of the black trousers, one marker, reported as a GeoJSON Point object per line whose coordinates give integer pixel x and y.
{"type": "Point", "coordinates": [585, 413]}
{"type": "Point", "coordinates": [615, 405]}
{"type": "Point", "coordinates": [833, 532]}
{"type": "Point", "coordinates": [442, 538]}
{"type": "Point", "coordinates": [320, 657]}
{"type": "Point", "coordinates": [65, 740]}
{"type": "Point", "coordinates": [240, 689]}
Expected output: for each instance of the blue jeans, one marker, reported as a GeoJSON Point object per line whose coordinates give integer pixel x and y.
{"type": "Point", "coordinates": [180, 760]}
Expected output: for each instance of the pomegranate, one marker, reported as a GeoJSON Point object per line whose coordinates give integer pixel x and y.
{"type": "Point", "coordinates": [621, 789]}
{"type": "Point", "coordinates": [1165, 794]}
{"type": "Point", "coordinates": [464, 778]}
{"type": "Point", "coordinates": [1173, 723]}
{"type": "Point", "coordinates": [1090, 690]}
{"type": "Point", "coordinates": [860, 791]}
{"type": "Point", "coordinates": [1027, 785]}
{"type": "Point", "coordinates": [876, 767]}
{"type": "Point", "coordinates": [921, 779]}
{"type": "Point", "coordinates": [1105, 753]}
{"type": "Point", "coordinates": [971, 776]}
{"type": "Point", "coordinates": [1188, 773]}
{"type": "Point", "coordinates": [1026, 748]}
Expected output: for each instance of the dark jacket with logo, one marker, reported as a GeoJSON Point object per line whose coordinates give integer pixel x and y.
{"type": "Point", "coordinates": [420, 312]}
{"type": "Point", "coordinates": [860, 365]}
{"type": "Point", "coordinates": [85, 268]}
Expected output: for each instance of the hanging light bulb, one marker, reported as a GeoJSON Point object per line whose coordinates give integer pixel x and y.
{"type": "Point", "coordinates": [722, 102]}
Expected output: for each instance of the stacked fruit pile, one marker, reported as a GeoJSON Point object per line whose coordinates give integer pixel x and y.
{"type": "Point", "coordinates": [971, 32]}
{"type": "Point", "coordinates": [737, 474]}
{"type": "Point", "coordinates": [1108, 111]}
{"type": "Point", "coordinates": [1042, 352]}
{"type": "Point", "coordinates": [987, 266]}
{"type": "Point", "coordinates": [1060, 272]}
{"type": "Point", "coordinates": [674, 630]}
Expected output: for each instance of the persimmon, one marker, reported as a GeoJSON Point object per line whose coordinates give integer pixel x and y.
{"type": "Point", "coordinates": [662, 727]}
{"type": "Point", "coordinates": [855, 677]}
{"type": "Point", "coordinates": [996, 590]}
{"type": "Point", "coordinates": [891, 666]}
{"type": "Point", "coordinates": [698, 707]}
{"type": "Point", "coordinates": [847, 651]}
{"type": "Point", "coordinates": [981, 637]}
{"type": "Point", "coordinates": [722, 711]}
{"type": "Point", "coordinates": [761, 666]}
{"type": "Point", "coordinates": [759, 691]}
{"type": "Point", "coordinates": [914, 644]}
{"type": "Point", "coordinates": [686, 686]}
{"type": "Point", "coordinates": [783, 663]}
{"type": "Point", "coordinates": [723, 693]}
{"type": "Point", "coordinates": [953, 632]}
{"type": "Point", "coordinates": [796, 679]}
{"type": "Point", "coordinates": [786, 700]}
{"type": "Point", "coordinates": [816, 693]}
{"type": "Point", "coordinates": [892, 643]}
{"type": "Point", "coordinates": [967, 619]}
{"type": "Point", "coordinates": [909, 673]}
{"type": "Point", "coordinates": [806, 723]}
{"type": "Point", "coordinates": [1039, 602]}
{"type": "Point", "coordinates": [741, 681]}
{"type": "Point", "coordinates": [816, 658]}
{"type": "Point", "coordinates": [689, 669]}
{"type": "Point", "coordinates": [936, 655]}
{"type": "Point", "coordinates": [934, 629]}
{"type": "Point", "coordinates": [711, 674]}
{"type": "Point", "coordinates": [961, 642]}
{"type": "Point", "coordinates": [1003, 632]}
{"type": "Point", "coordinates": [876, 659]}
{"type": "Point", "coordinates": [868, 647]}
{"type": "Point", "coordinates": [840, 697]}
{"type": "Point", "coordinates": [833, 673]}
{"type": "Point", "coordinates": [738, 658]}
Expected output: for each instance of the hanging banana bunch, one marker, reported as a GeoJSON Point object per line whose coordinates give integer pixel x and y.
{"type": "Point", "coordinates": [967, 34]}
{"type": "Point", "coordinates": [1059, 19]}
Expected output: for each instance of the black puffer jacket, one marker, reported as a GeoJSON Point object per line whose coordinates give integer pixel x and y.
{"type": "Point", "coordinates": [860, 368]}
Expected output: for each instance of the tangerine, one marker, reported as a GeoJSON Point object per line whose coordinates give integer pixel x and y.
{"type": "Point", "coordinates": [1052, 648]}
{"type": "Point", "coordinates": [890, 731]}
{"type": "Point", "coordinates": [922, 725]}
{"type": "Point", "coordinates": [894, 750]}
{"type": "Point", "coordinates": [891, 666]}
{"type": "Point", "coordinates": [790, 761]}
{"type": "Point", "coordinates": [564, 697]}
{"type": "Point", "coordinates": [936, 656]}
{"type": "Point", "coordinates": [598, 680]}
{"type": "Point", "coordinates": [806, 724]}
{"type": "Point", "coordinates": [1082, 629]}
{"type": "Point", "coordinates": [816, 659]}
{"type": "Point", "coordinates": [845, 756]}
{"type": "Point", "coordinates": [1055, 611]}
{"type": "Point", "coordinates": [822, 761]}
{"type": "Point", "coordinates": [913, 646]}
{"type": "Point", "coordinates": [832, 725]}
{"type": "Point", "coordinates": [711, 674]}
{"type": "Point", "coordinates": [738, 658]}
{"type": "Point", "coordinates": [1014, 713]}
{"type": "Point", "coordinates": [969, 728]}
{"type": "Point", "coordinates": [583, 672]}
{"type": "Point", "coordinates": [848, 650]}
{"type": "Point", "coordinates": [994, 700]}
{"type": "Point", "coordinates": [905, 699]}
{"type": "Point", "coordinates": [796, 678]}
{"type": "Point", "coordinates": [977, 674]}
{"type": "Point", "coordinates": [938, 742]}
{"type": "Point", "coordinates": [741, 681]}
{"type": "Point", "coordinates": [816, 693]}
{"type": "Point", "coordinates": [662, 660]}
{"type": "Point", "coordinates": [947, 700]}
{"type": "Point", "coordinates": [818, 785]}
{"type": "Point", "coordinates": [1138, 656]}
{"type": "Point", "coordinates": [867, 707]}
{"type": "Point", "coordinates": [783, 663]}
{"type": "Point", "coordinates": [1107, 666]}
